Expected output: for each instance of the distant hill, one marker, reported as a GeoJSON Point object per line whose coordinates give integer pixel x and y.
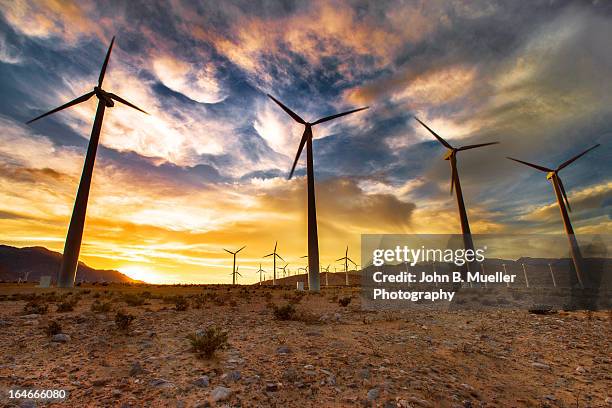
{"type": "Point", "coordinates": [15, 263]}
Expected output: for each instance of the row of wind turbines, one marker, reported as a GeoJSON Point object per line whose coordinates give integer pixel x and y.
{"type": "Point", "coordinates": [284, 269]}
{"type": "Point", "coordinates": [74, 237]}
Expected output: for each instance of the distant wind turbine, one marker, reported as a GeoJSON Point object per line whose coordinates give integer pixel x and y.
{"type": "Point", "coordinates": [274, 255]}
{"type": "Point", "coordinates": [451, 156]}
{"type": "Point", "coordinates": [284, 269]}
{"type": "Point", "coordinates": [234, 264]}
{"type": "Point", "coordinates": [564, 207]}
{"type": "Point", "coordinates": [326, 270]}
{"type": "Point", "coordinates": [74, 237]}
{"type": "Point", "coordinates": [260, 271]}
{"type": "Point", "coordinates": [234, 273]}
{"type": "Point", "coordinates": [313, 240]}
{"type": "Point", "coordinates": [346, 260]}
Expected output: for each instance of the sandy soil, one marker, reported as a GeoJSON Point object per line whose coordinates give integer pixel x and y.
{"type": "Point", "coordinates": [329, 356]}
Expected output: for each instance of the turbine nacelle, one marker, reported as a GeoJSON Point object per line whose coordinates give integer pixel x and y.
{"type": "Point", "coordinates": [104, 97]}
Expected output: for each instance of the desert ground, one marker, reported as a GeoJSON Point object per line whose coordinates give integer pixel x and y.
{"type": "Point", "coordinates": [315, 353]}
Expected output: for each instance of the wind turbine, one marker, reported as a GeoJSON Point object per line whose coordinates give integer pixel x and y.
{"type": "Point", "coordinates": [451, 156]}
{"type": "Point", "coordinates": [274, 255]}
{"type": "Point", "coordinates": [72, 247]}
{"type": "Point", "coordinates": [564, 207]}
{"type": "Point", "coordinates": [326, 270]}
{"type": "Point", "coordinates": [234, 273]}
{"type": "Point", "coordinates": [313, 240]}
{"type": "Point", "coordinates": [260, 271]}
{"type": "Point", "coordinates": [284, 269]}
{"type": "Point", "coordinates": [346, 260]}
{"type": "Point", "coordinates": [234, 265]}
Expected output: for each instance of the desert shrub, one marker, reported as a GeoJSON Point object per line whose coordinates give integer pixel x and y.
{"type": "Point", "coordinates": [198, 301]}
{"type": "Point", "coordinates": [285, 312]}
{"type": "Point", "coordinates": [344, 302]}
{"type": "Point", "coordinates": [268, 296]}
{"type": "Point", "coordinates": [123, 321]}
{"type": "Point", "coordinates": [66, 306]}
{"type": "Point", "coordinates": [133, 299]}
{"type": "Point", "coordinates": [35, 307]}
{"type": "Point", "coordinates": [101, 307]}
{"type": "Point", "coordinates": [145, 294]}
{"type": "Point", "coordinates": [205, 342]}
{"type": "Point", "coordinates": [53, 328]}
{"type": "Point", "coordinates": [96, 295]}
{"type": "Point", "coordinates": [180, 303]}
{"type": "Point", "coordinates": [86, 291]}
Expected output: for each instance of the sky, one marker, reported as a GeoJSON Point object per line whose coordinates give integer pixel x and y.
{"type": "Point", "coordinates": [207, 169]}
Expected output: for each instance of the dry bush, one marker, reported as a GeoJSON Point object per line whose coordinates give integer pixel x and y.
{"type": "Point", "coordinates": [285, 312]}
{"type": "Point", "coordinates": [66, 306]}
{"type": "Point", "coordinates": [123, 321]}
{"type": "Point", "coordinates": [35, 307]}
{"type": "Point", "coordinates": [53, 328]}
{"type": "Point", "coordinates": [345, 301]}
{"type": "Point", "coordinates": [101, 307]}
{"type": "Point", "coordinates": [205, 342]}
{"type": "Point", "coordinates": [132, 299]}
{"type": "Point", "coordinates": [180, 303]}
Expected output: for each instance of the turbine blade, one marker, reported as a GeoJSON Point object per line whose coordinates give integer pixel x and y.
{"type": "Point", "coordinates": [339, 259]}
{"type": "Point", "coordinates": [105, 64]}
{"type": "Point", "coordinates": [305, 256]}
{"type": "Point", "coordinates": [275, 244]}
{"type": "Point", "coordinates": [280, 257]}
{"type": "Point", "coordinates": [230, 252]}
{"type": "Point", "coordinates": [241, 249]}
{"type": "Point", "coordinates": [535, 166]}
{"type": "Point", "coordinates": [73, 102]}
{"type": "Point", "coordinates": [573, 159]}
{"type": "Point", "coordinates": [337, 115]}
{"type": "Point", "coordinates": [569, 208]}
{"type": "Point", "coordinates": [453, 176]}
{"type": "Point", "coordinates": [265, 256]}
{"type": "Point", "coordinates": [354, 263]}
{"type": "Point", "coordinates": [476, 145]}
{"type": "Point", "coordinates": [123, 101]}
{"type": "Point", "coordinates": [289, 111]}
{"type": "Point", "coordinates": [299, 152]}
{"type": "Point", "coordinates": [444, 142]}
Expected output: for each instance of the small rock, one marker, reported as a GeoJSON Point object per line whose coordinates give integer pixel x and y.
{"type": "Point", "coordinates": [580, 370]}
{"type": "Point", "coordinates": [373, 394]}
{"type": "Point", "coordinates": [60, 338]}
{"type": "Point", "coordinates": [160, 383]}
{"type": "Point", "coordinates": [100, 382]}
{"type": "Point", "coordinates": [220, 393]}
{"type": "Point", "coordinates": [283, 350]}
{"type": "Point", "coordinates": [234, 375]}
{"type": "Point", "coordinates": [202, 381]}
{"type": "Point", "coordinates": [541, 366]}
{"type": "Point", "coordinates": [117, 393]}
{"type": "Point", "coordinates": [271, 387]}
{"type": "Point", "coordinates": [27, 404]}
{"type": "Point", "coordinates": [365, 373]}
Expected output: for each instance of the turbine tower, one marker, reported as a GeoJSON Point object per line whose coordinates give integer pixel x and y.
{"type": "Point", "coordinates": [564, 207]}
{"type": "Point", "coordinates": [72, 247]}
{"type": "Point", "coordinates": [234, 270]}
{"type": "Point", "coordinates": [451, 156]}
{"type": "Point", "coordinates": [260, 271]}
{"type": "Point", "coordinates": [346, 260]}
{"type": "Point", "coordinates": [274, 255]}
{"type": "Point", "coordinates": [313, 240]}
{"type": "Point", "coordinates": [326, 270]}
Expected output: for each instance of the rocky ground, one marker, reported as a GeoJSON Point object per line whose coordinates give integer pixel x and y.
{"type": "Point", "coordinates": [326, 355]}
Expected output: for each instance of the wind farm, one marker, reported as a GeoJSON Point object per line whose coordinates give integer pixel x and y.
{"type": "Point", "coordinates": [199, 266]}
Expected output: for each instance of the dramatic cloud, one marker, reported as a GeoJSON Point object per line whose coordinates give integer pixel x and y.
{"type": "Point", "coordinates": [207, 167]}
